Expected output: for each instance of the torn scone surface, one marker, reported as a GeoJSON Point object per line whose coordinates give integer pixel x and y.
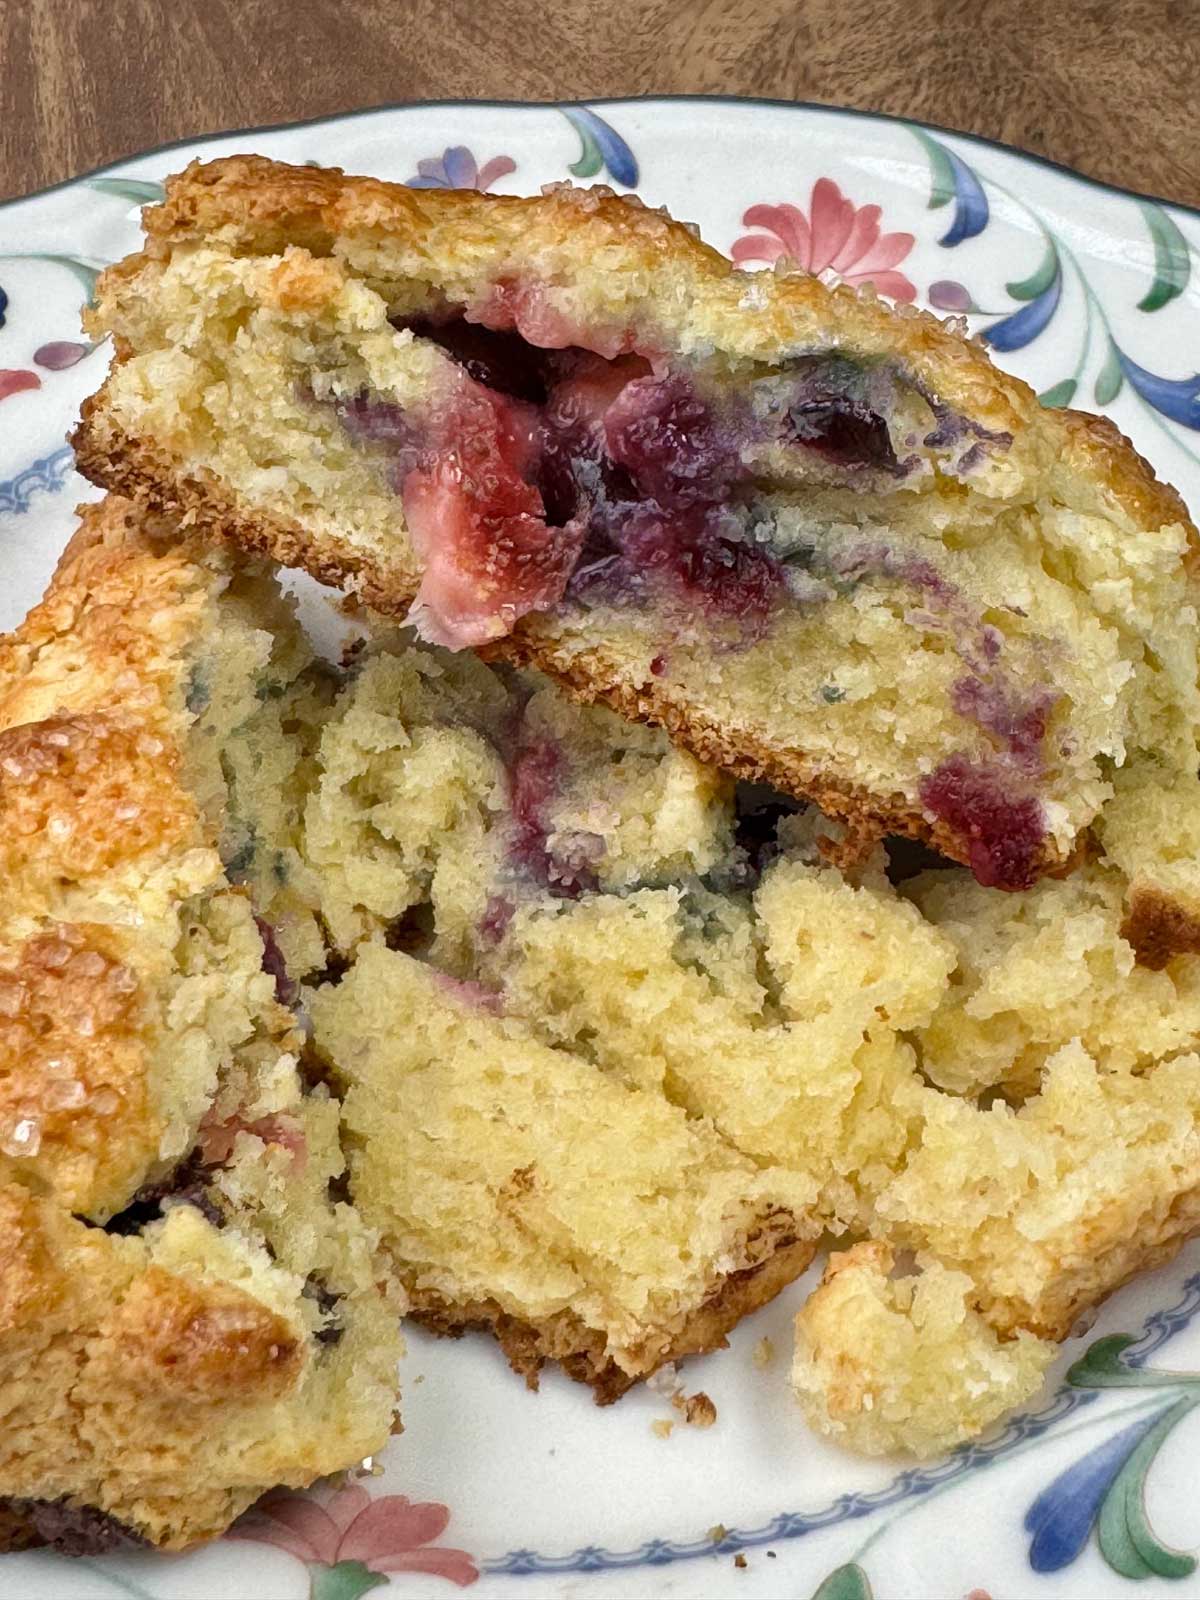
{"type": "Point", "coordinates": [575, 901]}
{"type": "Point", "coordinates": [524, 1189]}
{"type": "Point", "coordinates": [191, 1315]}
{"type": "Point", "coordinates": [609, 1043]}
{"type": "Point", "coordinates": [823, 541]}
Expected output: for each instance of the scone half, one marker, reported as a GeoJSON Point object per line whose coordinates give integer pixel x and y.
{"type": "Point", "coordinates": [821, 540]}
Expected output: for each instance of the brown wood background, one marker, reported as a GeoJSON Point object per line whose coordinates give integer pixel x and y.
{"type": "Point", "coordinates": [1111, 86]}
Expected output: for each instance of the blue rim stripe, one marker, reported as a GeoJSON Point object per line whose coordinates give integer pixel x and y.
{"type": "Point", "coordinates": [41, 477]}
{"type": "Point", "coordinates": [1158, 1327]}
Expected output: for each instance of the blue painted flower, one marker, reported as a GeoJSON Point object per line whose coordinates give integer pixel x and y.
{"type": "Point", "coordinates": [952, 179]}
{"type": "Point", "coordinates": [1062, 1516]}
{"type": "Point", "coordinates": [1022, 327]}
{"type": "Point", "coordinates": [1176, 398]}
{"type": "Point", "coordinates": [456, 168]}
{"type": "Point", "coordinates": [602, 146]}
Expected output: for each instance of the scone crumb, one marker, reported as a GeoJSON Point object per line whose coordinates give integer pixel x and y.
{"type": "Point", "coordinates": [717, 1532]}
{"type": "Point", "coordinates": [740, 1562]}
{"type": "Point", "coordinates": [663, 1427]}
{"type": "Point", "coordinates": [698, 1410]}
{"type": "Point", "coordinates": [763, 1353]}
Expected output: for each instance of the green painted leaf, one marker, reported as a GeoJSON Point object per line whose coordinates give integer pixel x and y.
{"type": "Point", "coordinates": [1100, 1367]}
{"type": "Point", "coordinates": [1127, 1541]}
{"type": "Point", "coordinates": [1109, 379]}
{"type": "Point", "coordinates": [845, 1583]}
{"type": "Point", "coordinates": [87, 275]}
{"type": "Point", "coordinates": [129, 189]}
{"type": "Point", "coordinates": [591, 157]}
{"type": "Point", "coordinates": [346, 1581]}
{"type": "Point", "coordinates": [1037, 282]}
{"type": "Point", "coordinates": [1172, 260]}
{"type": "Point", "coordinates": [83, 270]}
{"type": "Point", "coordinates": [941, 173]}
{"type": "Point", "coordinates": [1060, 394]}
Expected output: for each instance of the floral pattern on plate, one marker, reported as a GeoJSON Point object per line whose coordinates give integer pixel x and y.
{"type": "Point", "coordinates": [350, 1543]}
{"type": "Point", "coordinates": [836, 240]}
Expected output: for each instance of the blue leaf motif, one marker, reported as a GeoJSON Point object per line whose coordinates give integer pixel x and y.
{"type": "Point", "coordinates": [1176, 398]}
{"type": "Point", "coordinates": [459, 166]}
{"type": "Point", "coordinates": [599, 138]}
{"type": "Point", "coordinates": [1022, 327]}
{"type": "Point", "coordinates": [3, 306]}
{"type": "Point", "coordinates": [951, 178]}
{"type": "Point", "coordinates": [970, 203]}
{"type": "Point", "coordinates": [1061, 1517]}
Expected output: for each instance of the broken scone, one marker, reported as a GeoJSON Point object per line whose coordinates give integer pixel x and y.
{"type": "Point", "coordinates": [823, 541]}
{"type": "Point", "coordinates": [190, 1314]}
{"type": "Point", "coordinates": [526, 1190]}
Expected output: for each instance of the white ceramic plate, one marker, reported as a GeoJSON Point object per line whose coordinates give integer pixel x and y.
{"type": "Point", "coordinates": [1092, 295]}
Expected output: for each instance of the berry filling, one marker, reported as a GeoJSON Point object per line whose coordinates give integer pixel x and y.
{"type": "Point", "coordinates": [559, 459]}
{"type": "Point", "coordinates": [556, 458]}
{"type": "Point", "coordinates": [74, 1530]}
{"type": "Point", "coordinates": [287, 990]}
{"type": "Point", "coordinates": [564, 867]}
{"type": "Point", "coordinates": [187, 1185]}
{"type": "Point", "coordinates": [327, 1301]}
{"type": "Point", "coordinates": [834, 407]}
{"type": "Point", "coordinates": [1004, 828]}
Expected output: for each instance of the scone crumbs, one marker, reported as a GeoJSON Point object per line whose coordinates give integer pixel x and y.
{"type": "Point", "coordinates": [739, 1560]}
{"type": "Point", "coordinates": [663, 1427]}
{"type": "Point", "coordinates": [763, 1353]}
{"type": "Point", "coordinates": [698, 1410]}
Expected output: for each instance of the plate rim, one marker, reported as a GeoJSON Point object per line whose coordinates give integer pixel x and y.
{"type": "Point", "coordinates": [823, 108]}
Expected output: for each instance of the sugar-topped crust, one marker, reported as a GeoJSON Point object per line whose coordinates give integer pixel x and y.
{"type": "Point", "coordinates": [157, 1371]}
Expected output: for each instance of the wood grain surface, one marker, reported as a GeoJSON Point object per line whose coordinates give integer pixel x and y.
{"type": "Point", "coordinates": [1108, 86]}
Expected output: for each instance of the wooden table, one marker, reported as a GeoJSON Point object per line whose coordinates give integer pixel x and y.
{"type": "Point", "coordinates": [1108, 86]}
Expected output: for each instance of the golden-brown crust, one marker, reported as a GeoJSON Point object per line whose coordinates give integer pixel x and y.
{"type": "Point", "coordinates": [74, 1106]}
{"type": "Point", "coordinates": [1105, 1259]}
{"type": "Point", "coordinates": [202, 1342]}
{"type": "Point", "coordinates": [93, 802]}
{"type": "Point", "coordinates": [97, 1343]}
{"type": "Point", "coordinates": [581, 1350]}
{"type": "Point", "coordinates": [147, 478]}
{"type": "Point", "coordinates": [82, 795]}
{"type": "Point", "coordinates": [110, 629]}
{"type": "Point", "coordinates": [1159, 927]}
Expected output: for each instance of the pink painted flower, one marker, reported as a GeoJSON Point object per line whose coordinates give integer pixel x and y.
{"type": "Point", "coordinates": [15, 379]}
{"type": "Point", "coordinates": [360, 1539]}
{"type": "Point", "coordinates": [836, 240]}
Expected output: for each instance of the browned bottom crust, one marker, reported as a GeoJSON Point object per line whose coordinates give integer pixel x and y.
{"type": "Point", "coordinates": [1158, 928]}
{"type": "Point", "coordinates": [137, 469]}
{"type": "Point", "coordinates": [868, 817]}
{"type": "Point", "coordinates": [579, 1350]}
